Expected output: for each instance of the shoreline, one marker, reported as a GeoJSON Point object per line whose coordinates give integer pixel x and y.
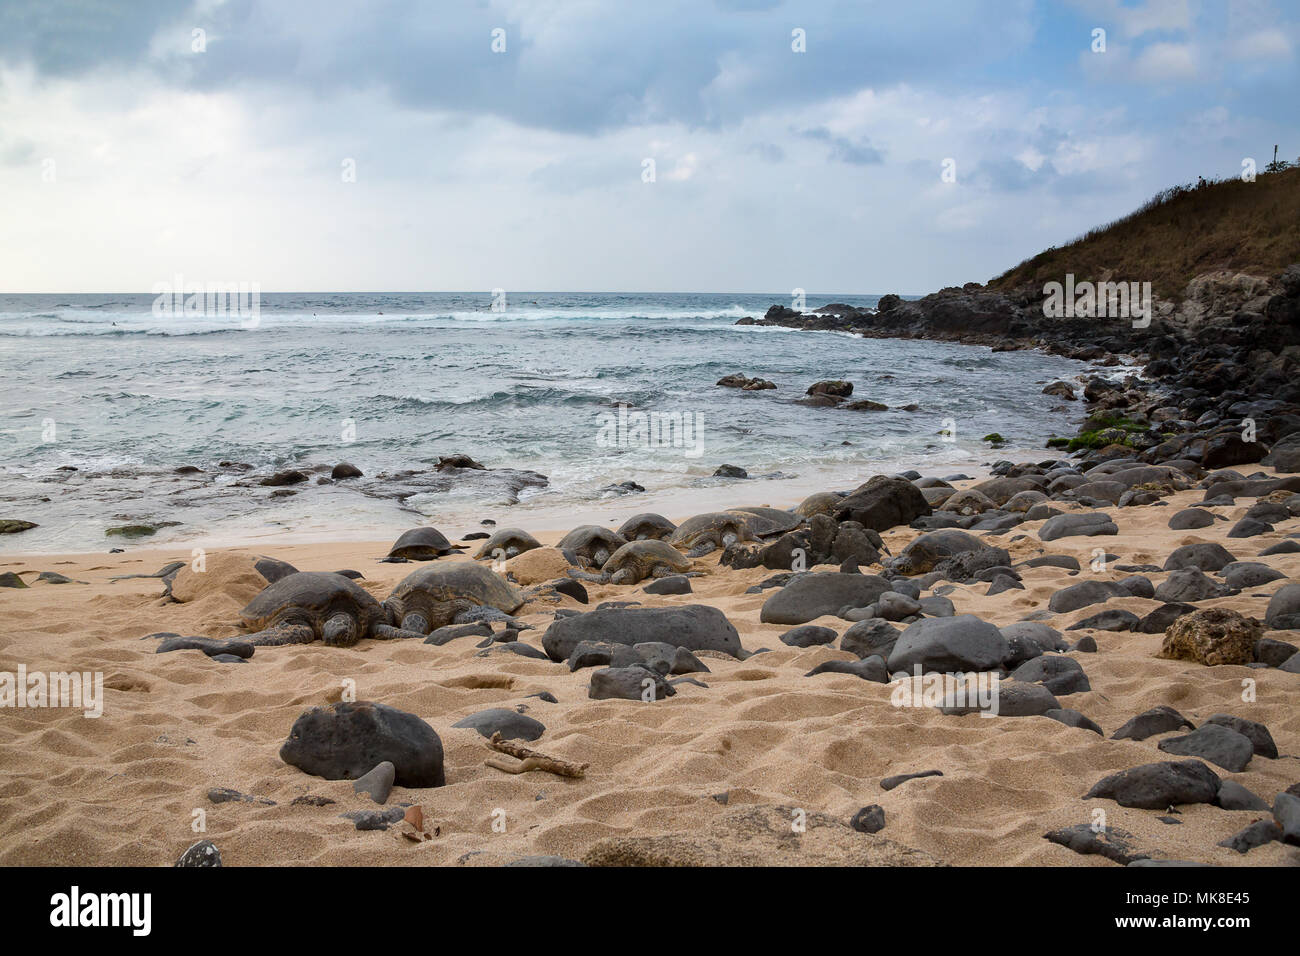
{"type": "Point", "coordinates": [759, 731]}
{"type": "Point", "coordinates": [179, 725]}
{"type": "Point", "coordinates": [676, 503]}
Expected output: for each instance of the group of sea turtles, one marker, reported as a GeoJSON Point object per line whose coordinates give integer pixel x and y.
{"type": "Point", "coordinates": [299, 607]}
{"type": "Point", "coordinates": [321, 605]}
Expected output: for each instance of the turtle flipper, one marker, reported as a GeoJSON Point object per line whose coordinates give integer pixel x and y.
{"type": "Point", "coordinates": [700, 550]}
{"type": "Point", "coordinates": [284, 634]}
{"type": "Point", "coordinates": [386, 632]}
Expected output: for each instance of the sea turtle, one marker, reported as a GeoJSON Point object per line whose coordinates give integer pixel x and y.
{"type": "Point", "coordinates": [434, 596]}
{"type": "Point", "coordinates": [316, 605]}
{"type": "Point", "coordinates": [818, 503]}
{"type": "Point", "coordinates": [770, 521]}
{"type": "Point", "coordinates": [421, 544]}
{"type": "Point", "coordinates": [507, 543]}
{"type": "Point", "coordinates": [646, 525]}
{"type": "Point", "coordinates": [591, 544]}
{"type": "Point", "coordinates": [712, 530]}
{"type": "Point", "coordinates": [638, 560]}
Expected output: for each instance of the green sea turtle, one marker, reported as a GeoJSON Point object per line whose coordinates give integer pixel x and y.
{"type": "Point", "coordinates": [507, 543]}
{"type": "Point", "coordinates": [316, 605]}
{"type": "Point", "coordinates": [638, 560]}
{"type": "Point", "coordinates": [646, 525]}
{"type": "Point", "coordinates": [770, 521]}
{"type": "Point", "coordinates": [591, 544]}
{"type": "Point", "coordinates": [818, 503]}
{"type": "Point", "coordinates": [434, 596]}
{"type": "Point", "coordinates": [421, 544]}
{"type": "Point", "coordinates": [712, 530]}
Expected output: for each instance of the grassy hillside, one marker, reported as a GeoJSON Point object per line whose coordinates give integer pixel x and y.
{"type": "Point", "coordinates": [1180, 233]}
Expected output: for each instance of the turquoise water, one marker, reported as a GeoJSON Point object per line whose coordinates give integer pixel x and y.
{"type": "Point", "coordinates": [391, 382]}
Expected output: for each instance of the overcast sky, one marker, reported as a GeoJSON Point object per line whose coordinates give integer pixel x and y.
{"type": "Point", "coordinates": [133, 148]}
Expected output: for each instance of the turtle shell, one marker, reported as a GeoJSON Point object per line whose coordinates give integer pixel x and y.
{"type": "Point", "coordinates": [646, 525]}
{"type": "Point", "coordinates": [713, 525]}
{"type": "Point", "coordinates": [440, 592]}
{"type": "Point", "coordinates": [421, 544]}
{"type": "Point", "coordinates": [312, 597]}
{"type": "Point", "coordinates": [644, 555]}
{"type": "Point", "coordinates": [819, 503]}
{"type": "Point", "coordinates": [587, 540]}
{"type": "Point", "coordinates": [512, 541]}
{"type": "Point", "coordinates": [770, 521]}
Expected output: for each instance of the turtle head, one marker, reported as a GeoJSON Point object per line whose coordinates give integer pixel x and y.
{"type": "Point", "coordinates": [392, 611]}
{"type": "Point", "coordinates": [340, 630]}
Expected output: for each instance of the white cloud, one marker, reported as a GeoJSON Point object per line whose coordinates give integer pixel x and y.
{"type": "Point", "coordinates": [1261, 45]}
{"type": "Point", "coordinates": [1135, 20]}
{"type": "Point", "coordinates": [1166, 62]}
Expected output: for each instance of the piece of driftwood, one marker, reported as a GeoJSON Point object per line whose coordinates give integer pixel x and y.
{"type": "Point", "coordinates": [530, 760]}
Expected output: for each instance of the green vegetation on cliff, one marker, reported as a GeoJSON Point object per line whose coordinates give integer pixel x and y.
{"type": "Point", "coordinates": [1181, 233]}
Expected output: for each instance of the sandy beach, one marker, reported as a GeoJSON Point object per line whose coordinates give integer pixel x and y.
{"type": "Point", "coordinates": [124, 788]}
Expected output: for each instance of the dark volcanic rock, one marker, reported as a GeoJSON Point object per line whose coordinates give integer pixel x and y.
{"type": "Point", "coordinates": [1084, 594]}
{"type": "Point", "coordinates": [1286, 811]}
{"type": "Point", "coordinates": [1205, 556]}
{"type": "Point", "coordinates": [1089, 524]}
{"type": "Point", "coordinates": [671, 584]}
{"type": "Point", "coordinates": [1274, 653]}
{"type": "Point", "coordinates": [1233, 796]}
{"type": "Point", "coordinates": [696, 627]}
{"type": "Point", "coordinates": [1014, 699]}
{"type": "Point", "coordinates": [1188, 586]}
{"type": "Point", "coordinates": [1255, 732]}
{"type": "Point", "coordinates": [882, 503]}
{"type": "Point", "coordinates": [1191, 518]}
{"type": "Point", "coordinates": [1256, 834]}
{"type": "Point", "coordinates": [1157, 720]}
{"type": "Point", "coordinates": [1155, 786]}
{"type": "Point", "coordinates": [210, 646]}
{"type": "Point", "coordinates": [1283, 612]}
{"type": "Point", "coordinates": [870, 637]}
{"type": "Point", "coordinates": [1115, 619]}
{"type": "Point", "coordinates": [812, 595]}
{"type": "Point", "coordinates": [810, 635]}
{"type": "Point", "coordinates": [1215, 743]}
{"type": "Point", "coordinates": [345, 740]}
{"type": "Point", "coordinates": [629, 683]}
{"type": "Point", "coordinates": [511, 724]}
{"type": "Point", "coordinates": [1110, 842]}
{"type": "Point", "coordinates": [1059, 674]}
{"type": "Point", "coordinates": [1249, 574]}
{"type": "Point", "coordinates": [949, 644]}
{"type": "Point", "coordinates": [1072, 718]}
{"type": "Point", "coordinates": [889, 783]}
{"type": "Point", "coordinates": [868, 668]}
{"type": "Point", "coordinates": [1158, 620]}
{"type": "Point", "coordinates": [872, 819]}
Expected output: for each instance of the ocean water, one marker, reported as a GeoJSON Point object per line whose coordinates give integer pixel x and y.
{"type": "Point", "coordinates": [103, 399]}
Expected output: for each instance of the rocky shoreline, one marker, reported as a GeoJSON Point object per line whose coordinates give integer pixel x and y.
{"type": "Point", "coordinates": [1227, 353]}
